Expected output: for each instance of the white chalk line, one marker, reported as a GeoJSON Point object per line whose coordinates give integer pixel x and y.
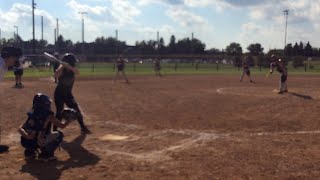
{"type": "Point", "coordinates": [193, 139]}
{"type": "Point", "coordinates": [223, 91]}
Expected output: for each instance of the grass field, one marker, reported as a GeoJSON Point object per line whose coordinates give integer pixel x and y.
{"type": "Point", "coordinates": [108, 69]}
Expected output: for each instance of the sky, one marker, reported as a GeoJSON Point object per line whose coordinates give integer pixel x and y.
{"type": "Point", "coordinates": [217, 23]}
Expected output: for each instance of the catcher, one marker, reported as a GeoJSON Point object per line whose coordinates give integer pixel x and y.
{"type": "Point", "coordinates": [36, 135]}
{"type": "Point", "coordinates": [281, 68]}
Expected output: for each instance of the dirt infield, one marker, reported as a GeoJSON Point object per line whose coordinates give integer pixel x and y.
{"type": "Point", "coordinates": [175, 127]}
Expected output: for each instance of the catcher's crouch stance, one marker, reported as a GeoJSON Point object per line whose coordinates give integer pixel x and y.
{"type": "Point", "coordinates": [36, 135]}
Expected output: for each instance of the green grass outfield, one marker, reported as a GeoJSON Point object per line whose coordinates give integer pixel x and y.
{"type": "Point", "coordinates": [107, 69]}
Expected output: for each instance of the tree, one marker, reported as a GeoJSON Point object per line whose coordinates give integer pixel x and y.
{"type": "Point", "coordinates": [308, 50]}
{"type": "Point", "coordinates": [255, 49]}
{"type": "Point", "coordinates": [301, 52]}
{"type": "Point", "coordinates": [296, 49]}
{"type": "Point", "coordinates": [234, 49]}
{"type": "Point", "coordinates": [288, 50]}
{"type": "Point", "coordinates": [172, 44]}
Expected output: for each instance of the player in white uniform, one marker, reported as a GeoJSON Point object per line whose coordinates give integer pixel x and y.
{"type": "Point", "coordinates": [9, 56]}
{"type": "Point", "coordinates": [281, 68]}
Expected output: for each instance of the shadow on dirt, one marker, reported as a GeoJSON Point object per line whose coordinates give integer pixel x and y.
{"type": "Point", "coordinates": [306, 97]}
{"type": "Point", "coordinates": [79, 157]}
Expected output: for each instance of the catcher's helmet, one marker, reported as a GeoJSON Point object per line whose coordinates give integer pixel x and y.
{"type": "Point", "coordinates": [10, 51]}
{"type": "Point", "coordinates": [70, 59]}
{"type": "Point", "coordinates": [41, 101]}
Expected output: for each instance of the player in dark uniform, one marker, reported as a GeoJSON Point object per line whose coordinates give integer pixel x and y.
{"type": "Point", "coordinates": [63, 92]}
{"type": "Point", "coordinates": [281, 68]}
{"type": "Point", "coordinates": [157, 67]}
{"type": "Point", "coordinates": [36, 134]}
{"type": "Point", "coordinates": [245, 71]}
{"type": "Point", "coordinates": [120, 63]}
{"type": "Point", "coordinates": [18, 72]}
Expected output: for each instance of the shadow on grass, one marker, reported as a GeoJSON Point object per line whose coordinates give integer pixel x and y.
{"type": "Point", "coordinates": [79, 157]}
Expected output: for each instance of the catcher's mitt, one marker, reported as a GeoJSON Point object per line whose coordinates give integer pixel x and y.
{"type": "Point", "coordinates": [69, 114]}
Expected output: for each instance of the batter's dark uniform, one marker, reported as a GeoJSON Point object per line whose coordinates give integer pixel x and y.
{"type": "Point", "coordinates": [63, 95]}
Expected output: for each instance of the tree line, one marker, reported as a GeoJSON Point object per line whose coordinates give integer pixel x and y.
{"type": "Point", "coordinates": [110, 45]}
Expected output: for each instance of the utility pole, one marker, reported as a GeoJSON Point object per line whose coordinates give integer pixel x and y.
{"type": "Point", "coordinates": [286, 13]}
{"type": "Point", "coordinates": [41, 28]}
{"type": "Point", "coordinates": [17, 34]}
{"type": "Point", "coordinates": [82, 20]}
{"type": "Point", "coordinates": [158, 43]}
{"type": "Point", "coordinates": [117, 43]}
{"type": "Point", "coordinates": [33, 30]}
{"type": "Point", "coordinates": [57, 29]}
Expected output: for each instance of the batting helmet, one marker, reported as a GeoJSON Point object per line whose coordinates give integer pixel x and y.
{"type": "Point", "coordinates": [42, 102]}
{"type": "Point", "coordinates": [70, 59]}
{"type": "Point", "coordinates": [10, 51]}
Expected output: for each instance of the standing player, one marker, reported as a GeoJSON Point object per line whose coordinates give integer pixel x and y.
{"type": "Point", "coordinates": [18, 72]}
{"type": "Point", "coordinates": [245, 70]}
{"type": "Point", "coordinates": [157, 67]}
{"type": "Point", "coordinates": [9, 56]}
{"type": "Point", "coordinates": [63, 92]}
{"type": "Point", "coordinates": [120, 68]}
{"type": "Point", "coordinates": [280, 67]}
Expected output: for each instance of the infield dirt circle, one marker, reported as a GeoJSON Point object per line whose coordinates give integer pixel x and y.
{"type": "Point", "coordinates": [175, 127]}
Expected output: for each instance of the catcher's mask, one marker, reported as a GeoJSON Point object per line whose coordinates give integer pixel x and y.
{"type": "Point", "coordinates": [70, 59]}
{"type": "Point", "coordinates": [41, 102]}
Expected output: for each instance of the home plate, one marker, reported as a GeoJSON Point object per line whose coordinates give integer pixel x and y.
{"type": "Point", "coordinates": [113, 137]}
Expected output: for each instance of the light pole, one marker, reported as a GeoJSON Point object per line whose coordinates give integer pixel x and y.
{"type": "Point", "coordinates": [82, 20]}
{"type": "Point", "coordinates": [286, 13]}
{"type": "Point", "coordinates": [117, 44]}
{"type": "Point", "coordinates": [33, 31]}
{"type": "Point", "coordinates": [17, 34]}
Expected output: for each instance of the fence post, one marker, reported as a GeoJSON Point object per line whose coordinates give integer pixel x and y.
{"type": "Point", "coordinates": [175, 66]}
{"type": "Point", "coordinates": [260, 67]}
{"type": "Point", "coordinates": [305, 67]}
{"type": "Point", "coordinates": [197, 66]}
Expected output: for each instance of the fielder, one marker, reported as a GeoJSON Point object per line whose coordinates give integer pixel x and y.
{"type": "Point", "coordinates": [245, 71]}
{"type": "Point", "coordinates": [9, 57]}
{"type": "Point", "coordinates": [36, 135]}
{"type": "Point", "coordinates": [18, 72]}
{"type": "Point", "coordinates": [280, 67]}
{"type": "Point", "coordinates": [157, 67]}
{"type": "Point", "coordinates": [120, 68]}
{"type": "Point", "coordinates": [63, 92]}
